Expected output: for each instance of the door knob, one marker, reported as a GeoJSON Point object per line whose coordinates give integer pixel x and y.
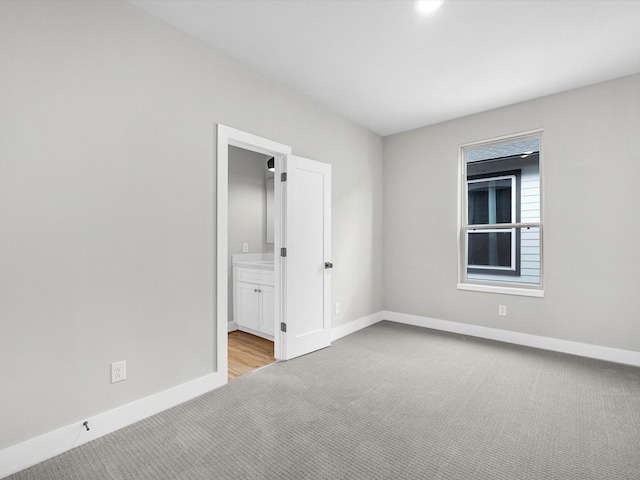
{"type": "Point", "coordinates": [328, 265]}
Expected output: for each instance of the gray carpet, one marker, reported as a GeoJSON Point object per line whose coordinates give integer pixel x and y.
{"type": "Point", "coordinates": [388, 402]}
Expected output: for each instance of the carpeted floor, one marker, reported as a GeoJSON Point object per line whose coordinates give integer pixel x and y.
{"type": "Point", "coordinates": [388, 402]}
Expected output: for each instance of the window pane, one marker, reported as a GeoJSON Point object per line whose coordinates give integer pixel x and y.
{"type": "Point", "coordinates": [490, 249]}
{"type": "Point", "coordinates": [478, 206]}
{"type": "Point", "coordinates": [503, 150]}
{"type": "Point", "coordinates": [490, 201]}
{"type": "Point", "coordinates": [503, 204]}
{"type": "Point", "coordinates": [483, 267]}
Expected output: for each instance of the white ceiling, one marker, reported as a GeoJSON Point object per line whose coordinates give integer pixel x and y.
{"type": "Point", "coordinates": [390, 69]}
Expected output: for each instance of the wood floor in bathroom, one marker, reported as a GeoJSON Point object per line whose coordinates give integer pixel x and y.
{"type": "Point", "coordinates": [248, 353]}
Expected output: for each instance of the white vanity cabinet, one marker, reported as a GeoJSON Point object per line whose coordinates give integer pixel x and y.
{"type": "Point", "coordinates": [253, 300]}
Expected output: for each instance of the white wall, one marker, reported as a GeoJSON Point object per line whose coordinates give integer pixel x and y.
{"type": "Point", "coordinates": [591, 163]}
{"type": "Point", "coordinates": [107, 204]}
{"type": "Point", "coordinates": [107, 207]}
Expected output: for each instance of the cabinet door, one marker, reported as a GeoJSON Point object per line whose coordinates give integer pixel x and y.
{"type": "Point", "coordinates": [248, 305]}
{"type": "Point", "coordinates": [267, 317]}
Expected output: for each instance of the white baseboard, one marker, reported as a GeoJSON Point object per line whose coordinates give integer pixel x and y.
{"type": "Point", "coordinates": [232, 326]}
{"type": "Point", "coordinates": [257, 333]}
{"type": "Point", "coordinates": [23, 455]}
{"type": "Point", "coordinates": [546, 343]}
{"type": "Point", "coordinates": [355, 325]}
{"type": "Point", "coordinates": [30, 452]}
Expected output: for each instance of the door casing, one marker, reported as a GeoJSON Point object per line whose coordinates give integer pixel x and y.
{"type": "Point", "coordinates": [227, 136]}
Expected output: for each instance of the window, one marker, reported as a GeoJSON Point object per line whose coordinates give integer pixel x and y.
{"type": "Point", "coordinates": [501, 229]}
{"type": "Point", "coordinates": [490, 201]}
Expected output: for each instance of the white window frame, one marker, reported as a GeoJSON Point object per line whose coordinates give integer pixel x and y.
{"type": "Point", "coordinates": [463, 227]}
{"type": "Point", "coordinates": [471, 231]}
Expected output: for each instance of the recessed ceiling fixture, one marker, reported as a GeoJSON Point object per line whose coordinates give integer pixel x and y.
{"type": "Point", "coordinates": [427, 6]}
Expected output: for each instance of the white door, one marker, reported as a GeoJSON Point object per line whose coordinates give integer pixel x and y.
{"type": "Point", "coordinates": [306, 282]}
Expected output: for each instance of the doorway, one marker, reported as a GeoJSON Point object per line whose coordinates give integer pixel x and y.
{"type": "Point", "coordinates": [229, 137]}
{"type": "Point", "coordinates": [251, 261]}
{"type": "Point", "coordinates": [300, 294]}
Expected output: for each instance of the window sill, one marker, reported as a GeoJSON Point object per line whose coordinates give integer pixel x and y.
{"type": "Point", "coordinates": [524, 292]}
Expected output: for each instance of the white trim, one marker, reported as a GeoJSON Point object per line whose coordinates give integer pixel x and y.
{"type": "Point", "coordinates": [616, 355]}
{"type": "Point", "coordinates": [355, 325]}
{"type": "Point", "coordinates": [524, 292]}
{"type": "Point", "coordinates": [257, 333]}
{"type": "Point", "coordinates": [498, 228]}
{"type": "Point", "coordinates": [232, 327]}
{"type": "Point", "coordinates": [30, 452]}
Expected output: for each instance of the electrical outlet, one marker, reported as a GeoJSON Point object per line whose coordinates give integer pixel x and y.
{"type": "Point", "coordinates": [337, 307]}
{"type": "Point", "coordinates": [502, 310]}
{"type": "Point", "coordinates": [245, 247]}
{"type": "Point", "coordinates": [118, 371]}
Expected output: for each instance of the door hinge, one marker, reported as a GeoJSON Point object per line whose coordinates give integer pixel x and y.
{"type": "Point", "coordinates": [283, 327]}
{"type": "Point", "coordinates": [283, 252]}
{"type": "Point", "coordinates": [283, 177]}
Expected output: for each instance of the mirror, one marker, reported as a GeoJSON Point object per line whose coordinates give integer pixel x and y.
{"type": "Point", "coordinates": [270, 201]}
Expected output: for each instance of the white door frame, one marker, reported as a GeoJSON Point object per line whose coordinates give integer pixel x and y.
{"type": "Point", "coordinates": [230, 136]}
